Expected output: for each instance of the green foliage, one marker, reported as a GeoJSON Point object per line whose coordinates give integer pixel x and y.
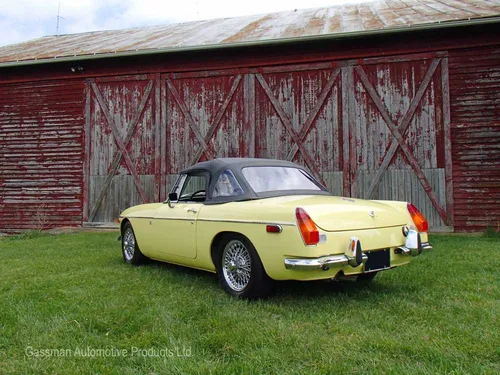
{"type": "Point", "coordinates": [492, 232]}
{"type": "Point", "coordinates": [73, 292]}
{"type": "Point", "coordinates": [27, 235]}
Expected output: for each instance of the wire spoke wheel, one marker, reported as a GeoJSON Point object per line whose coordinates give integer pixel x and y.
{"type": "Point", "coordinates": [128, 244]}
{"type": "Point", "coordinates": [236, 265]}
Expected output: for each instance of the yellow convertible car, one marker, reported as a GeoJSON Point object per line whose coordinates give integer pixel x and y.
{"type": "Point", "coordinates": [253, 221]}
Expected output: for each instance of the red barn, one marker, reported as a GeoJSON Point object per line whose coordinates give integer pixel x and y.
{"type": "Point", "coordinates": [383, 100]}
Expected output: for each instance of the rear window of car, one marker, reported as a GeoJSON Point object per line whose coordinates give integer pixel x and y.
{"type": "Point", "coordinates": [263, 179]}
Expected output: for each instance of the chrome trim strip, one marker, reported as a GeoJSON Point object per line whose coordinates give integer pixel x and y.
{"type": "Point", "coordinates": [322, 263]}
{"type": "Point", "coordinates": [284, 223]}
{"type": "Point", "coordinates": [161, 218]}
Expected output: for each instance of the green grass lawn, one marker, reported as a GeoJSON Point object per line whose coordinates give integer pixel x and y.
{"type": "Point", "coordinates": [73, 293]}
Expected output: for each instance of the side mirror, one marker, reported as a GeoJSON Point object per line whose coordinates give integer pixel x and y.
{"type": "Point", "coordinates": [171, 197]}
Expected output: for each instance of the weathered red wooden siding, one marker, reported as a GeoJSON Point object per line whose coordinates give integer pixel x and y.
{"type": "Point", "coordinates": [281, 102]}
{"type": "Point", "coordinates": [41, 157]}
{"type": "Point", "coordinates": [475, 123]}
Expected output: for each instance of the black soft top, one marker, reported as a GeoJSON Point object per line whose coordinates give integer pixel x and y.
{"type": "Point", "coordinates": [213, 168]}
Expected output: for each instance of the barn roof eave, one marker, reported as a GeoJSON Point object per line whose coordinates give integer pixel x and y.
{"type": "Point", "coordinates": [211, 47]}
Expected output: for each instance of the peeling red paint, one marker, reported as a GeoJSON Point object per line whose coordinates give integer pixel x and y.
{"type": "Point", "coordinates": [41, 127]}
{"type": "Point", "coordinates": [475, 121]}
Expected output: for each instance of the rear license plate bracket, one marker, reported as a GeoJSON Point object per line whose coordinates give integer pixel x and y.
{"type": "Point", "coordinates": [378, 260]}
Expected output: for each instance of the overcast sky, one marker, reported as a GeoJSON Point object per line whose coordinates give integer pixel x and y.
{"type": "Point", "coordinates": [22, 20]}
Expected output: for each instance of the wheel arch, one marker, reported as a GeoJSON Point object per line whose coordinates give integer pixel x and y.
{"type": "Point", "coordinates": [217, 241]}
{"type": "Point", "coordinates": [122, 224]}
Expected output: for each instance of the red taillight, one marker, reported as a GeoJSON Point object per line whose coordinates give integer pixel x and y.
{"type": "Point", "coordinates": [307, 227]}
{"type": "Point", "coordinates": [418, 218]}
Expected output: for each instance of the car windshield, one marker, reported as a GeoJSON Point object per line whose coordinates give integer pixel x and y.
{"type": "Point", "coordinates": [263, 179]}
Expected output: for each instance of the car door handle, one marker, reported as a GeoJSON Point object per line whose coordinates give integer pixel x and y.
{"type": "Point", "coordinates": [191, 210]}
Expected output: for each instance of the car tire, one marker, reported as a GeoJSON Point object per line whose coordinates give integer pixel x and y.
{"type": "Point", "coordinates": [367, 277]}
{"type": "Point", "coordinates": [130, 248]}
{"type": "Point", "coordinates": [240, 270]}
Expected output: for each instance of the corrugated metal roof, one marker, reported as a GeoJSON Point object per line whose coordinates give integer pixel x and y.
{"type": "Point", "coordinates": [337, 21]}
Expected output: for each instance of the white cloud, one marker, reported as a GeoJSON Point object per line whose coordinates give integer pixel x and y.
{"type": "Point", "coordinates": [22, 20]}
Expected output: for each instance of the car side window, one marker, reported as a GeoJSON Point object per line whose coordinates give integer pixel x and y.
{"type": "Point", "coordinates": [227, 185]}
{"type": "Point", "coordinates": [193, 189]}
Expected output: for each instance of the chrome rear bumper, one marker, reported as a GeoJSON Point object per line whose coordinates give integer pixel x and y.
{"type": "Point", "coordinates": [412, 247]}
{"type": "Point", "coordinates": [426, 246]}
{"type": "Point", "coordinates": [323, 263]}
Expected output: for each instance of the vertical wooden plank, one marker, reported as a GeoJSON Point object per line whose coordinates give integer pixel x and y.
{"type": "Point", "coordinates": [157, 140]}
{"type": "Point", "coordinates": [347, 90]}
{"type": "Point", "coordinates": [86, 160]}
{"type": "Point", "coordinates": [163, 139]}
{"type": "Point", "coordinates": [447, 140]}
{"type": "Point", "coordinates": [353, 165]}
{"type": "Point", "coordinates": [249, 108]}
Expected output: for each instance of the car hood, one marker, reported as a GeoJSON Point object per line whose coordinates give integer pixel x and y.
{"type": "Point", "coordinates": [341, 214]}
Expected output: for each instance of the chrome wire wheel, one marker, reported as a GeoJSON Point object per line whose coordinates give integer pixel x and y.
{"type": "Point", "coordinates": [128, 244]}
{"type": "Point", "coordinates": [236, 265]}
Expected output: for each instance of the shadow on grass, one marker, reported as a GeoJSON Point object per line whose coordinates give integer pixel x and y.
{"type": "Point", "coordinates": [286, 290]}
{"type": "Point", "coordinates": [328, 288]}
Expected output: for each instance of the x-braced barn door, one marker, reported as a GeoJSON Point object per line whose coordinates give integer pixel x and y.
{"type": "Point", "coordinates": [122, 163]}
{"type": "Point", "coordinates": [205, 116]}
{"type": "Point", "coordinates": [399, 142]}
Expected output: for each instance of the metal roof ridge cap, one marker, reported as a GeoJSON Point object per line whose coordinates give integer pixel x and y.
{"type": "Point", "coordinates": [332, 36]}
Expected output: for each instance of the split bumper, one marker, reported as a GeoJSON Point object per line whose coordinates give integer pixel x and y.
{"type": "Point", "coordinates": [413, 247]}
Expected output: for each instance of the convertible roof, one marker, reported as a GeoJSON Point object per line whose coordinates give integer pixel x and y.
{"type": "Point", "coordinates": [215, 165]}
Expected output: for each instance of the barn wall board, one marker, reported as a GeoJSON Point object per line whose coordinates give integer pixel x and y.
{"type": "Point", "coordinates": [41, 157]}
{"type": "Point", "coordinates": [475, 130]}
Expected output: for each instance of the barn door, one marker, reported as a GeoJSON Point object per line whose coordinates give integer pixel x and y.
{"type": "Point", "coordinates": [399, 134]}
{"type": "Point", "coordinates": [204, 116]}
{"type": "Point", "coordinates": [298, 118]}
{"type": "Point", "coordinates": [122, 165]}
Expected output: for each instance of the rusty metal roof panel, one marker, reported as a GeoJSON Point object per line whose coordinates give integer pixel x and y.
{"type": "Point", "coordinates": [335, 21]}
